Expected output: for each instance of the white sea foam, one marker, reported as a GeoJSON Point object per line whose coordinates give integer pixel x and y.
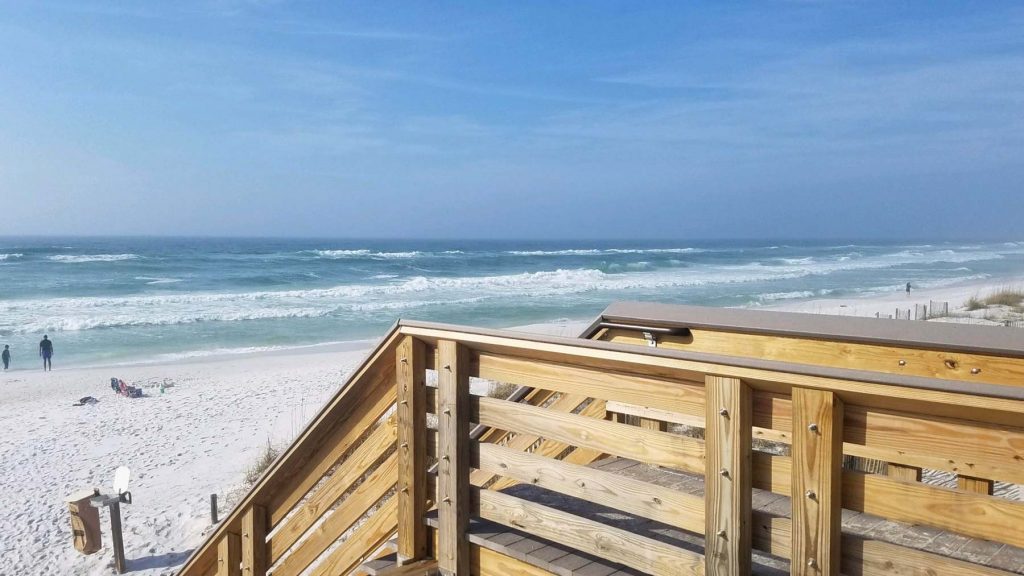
{"type": "Point", "coordinates": [81, 258]}
{"type": "Point", "coordinates": [152, 280]}
{"type": "Point", "coordinates": [603, 252]}
{"type": "Point", "coordinates": [10, 256]}
{"type": "Point", "coordinates": [339, 254]}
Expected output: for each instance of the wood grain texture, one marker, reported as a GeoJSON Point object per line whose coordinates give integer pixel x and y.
{"type": "Point", "coordinates": [369, 536]}
{"type": "Point", "coordinates": [356, 504]}
{"type": "Point", "coordinates": [976, 485]}
{"type": "Point", "coordinates": [727, 481]}
{"type": "Point", "coordinates": [664, 505]}
{"type": "Point", "coordinates": [905, 473]}
{"type": "Point", "coordinates": [650, 446]}
{"type": "Point", "coordinates": [669, 395]}
{"type": "Point", "coordinates": [229, 555]}
{"type": "Point", "coordinates": [967, 513]}
{"type": "Point", "coordinates": [354, 467]}
{"type": "Point", "coordinates": [817, 482]}
{"type": "Point", "coordinates": [411, 375]}
{"type": "Point", "coordinates": [635, 551]}
{"type": "Point", "coordinates": [254, 542]}
{"type": "Point", "coordinates": [879, 358]}
{"type": "Point", "coordinates": [453, 464]}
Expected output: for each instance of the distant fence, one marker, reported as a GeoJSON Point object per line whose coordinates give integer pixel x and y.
{"type": "Point", "coordinates": [936, 309]}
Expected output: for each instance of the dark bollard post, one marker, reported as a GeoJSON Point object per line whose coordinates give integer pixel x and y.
{"type": "Point", "coordinates": [115, 533]}
{"type": "Point", "coordinates": [213, 508]}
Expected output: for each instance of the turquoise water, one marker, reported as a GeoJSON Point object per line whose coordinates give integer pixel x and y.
{"type": "Point", "coordinates": [129, 299]}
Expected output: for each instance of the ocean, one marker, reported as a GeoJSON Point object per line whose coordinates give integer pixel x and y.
{"type": "Point", "coordinates": [123, 300]}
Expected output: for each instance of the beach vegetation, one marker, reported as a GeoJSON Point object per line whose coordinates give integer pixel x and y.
{"type": "Point", "coordinates": [974, 303]}
{"type": "Point", "coordinates": [263, 461]}
{"type": "Point", "coordinates": [1010, 297]}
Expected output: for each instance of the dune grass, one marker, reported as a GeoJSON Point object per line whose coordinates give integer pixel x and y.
{"type": "Point", "coordinates": [265, 459]}
{"type": "Point", "coordinates": [1009, 297]}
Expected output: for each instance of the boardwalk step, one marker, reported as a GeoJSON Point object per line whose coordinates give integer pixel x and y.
{"type": "Point", "coordinates": [387, 566]}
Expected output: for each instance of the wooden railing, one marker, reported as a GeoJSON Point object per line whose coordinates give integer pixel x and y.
{"type": "Point", "coordinates": [398, 442]}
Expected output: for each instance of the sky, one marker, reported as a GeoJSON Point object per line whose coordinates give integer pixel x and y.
{"type": "Point", "coordinates": [524, 119]}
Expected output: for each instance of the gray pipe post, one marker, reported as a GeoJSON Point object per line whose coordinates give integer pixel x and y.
{"type": "Point", "coordinates": [213, 508]}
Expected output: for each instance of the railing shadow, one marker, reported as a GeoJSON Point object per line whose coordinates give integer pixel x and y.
{"type": "Point", "coordinates": [167, 560]}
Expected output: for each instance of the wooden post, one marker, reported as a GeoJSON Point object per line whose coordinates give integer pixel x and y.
{"type": "Point", "coordinates": [213, 508]}
{"type": "Point", "coordinates": [727, 478]}
{"type": "Point", "coordinates": [976, 485]}
{"type": "Point", "coordinates": [817, 481]}
{"type": "Point", "coordinates": [906, 473]}
{"type": "Point", "coordinates": [410, 374]}
{"type": "Point", "coordinates": [115, 535]}
{"type": "Point", "coordinates": [229, 555]}
{"type": "Point", "coordinates": [453, 467]}
{"type": "Point", "coordinates": [254, 541]}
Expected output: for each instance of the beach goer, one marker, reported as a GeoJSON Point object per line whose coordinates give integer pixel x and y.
{"type": "Point", "coordinates": [908, 287]}
{"type": "Point", "coordinates": [6, 356]}
{"type": "Point", "coordinates": [46, 351]}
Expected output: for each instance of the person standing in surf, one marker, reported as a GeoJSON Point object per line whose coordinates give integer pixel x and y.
{"type": "Point", "coordinates": [46, 351]}
{"type": "Point", "coordinates": [6, 357]}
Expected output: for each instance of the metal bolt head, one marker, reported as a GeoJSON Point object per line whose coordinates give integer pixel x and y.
{"type": "Point", "coordinates": [723, 412]}
{"type": "Point", "coordinates": [724, 472]}
{"type": "Point", "coordinates": [975, 370]}
{"type": "Point", "coordinates": [902, 362]}
{"type": "Point", "coordinates": [812, 427]}
{"type": "Point", "coordinates": [812, 562]}
{"type": "Point", "coordinates": [721, 533]}
{"type": "Point", "coordinates": [405, 360]}
{"type": "Point", "coordinates": [810, 494]}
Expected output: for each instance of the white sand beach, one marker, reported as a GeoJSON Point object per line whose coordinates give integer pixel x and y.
{"type": "Point", "coordinates": [196, 438]}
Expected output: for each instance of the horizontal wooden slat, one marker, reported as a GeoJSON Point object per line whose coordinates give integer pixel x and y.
{"type": "Point", "coordinates": [977, 515]}
{"type": "Point", "coordinates": [645, 554]}
{"type": "Point", "coordinates": [355, 505]}
{"type": "Point", "coordinates": [655, 414]}
{"type": "Point", "coordinates": [650, 446]}
{"type": "Point", "coordinates": [953, 445]}
{"type": "Point", "coordinates": [381, 441]}
{"type": "Point", "coordinates": [665, 505]}
{"type": "Point", "coordinates": [670, 395]}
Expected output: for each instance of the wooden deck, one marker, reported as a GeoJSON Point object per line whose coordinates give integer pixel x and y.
{"type": "Point", "coordinates": [704, 450]}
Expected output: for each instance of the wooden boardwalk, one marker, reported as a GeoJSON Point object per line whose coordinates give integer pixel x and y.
{"type": "Point", "coordinates": [665, 441]}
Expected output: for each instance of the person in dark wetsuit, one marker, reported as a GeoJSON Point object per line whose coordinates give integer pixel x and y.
{"type": "Point", "coordinates": [46, 351]}
{"type": "Point", "coordinates": [6, 356]}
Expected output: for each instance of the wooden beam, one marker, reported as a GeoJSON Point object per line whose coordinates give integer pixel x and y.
{"type": "Point", "coordinates": [411, 374]}
{"type": "Point", "coordinates": [358, 463]}
{"type": "Point", "coordinates": [976, 485]}
{"type": "Point", "coordinates": [727, 480]}
{"type": "Point", "coordinates": [650, 446]}
{"type": "Point", "coordinates": [254, 542]}
{"type": "Point", "coordinates": [370, 535]}
{"type": "Point", "coordinates": [630, 495]}
{"type": "Point", "coordinates": [360, 501]}
{"type": "Point", "coordinates": [229, 555]}
{"type": "Point", "coordinates": [817, 481]}
{"type": "Point", "coordinates": [645, 554]}
{"type": "Point", "coordinates": [417, 568]}
{"type": "Point", "coordinates": [453, 466]}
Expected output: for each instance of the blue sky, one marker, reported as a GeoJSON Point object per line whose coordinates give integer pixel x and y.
{"type": "Point", "coordinates": [513, 119]}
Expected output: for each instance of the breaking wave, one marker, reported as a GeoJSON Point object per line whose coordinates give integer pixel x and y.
{"type": "Point", "coordinates": [82, 258]}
